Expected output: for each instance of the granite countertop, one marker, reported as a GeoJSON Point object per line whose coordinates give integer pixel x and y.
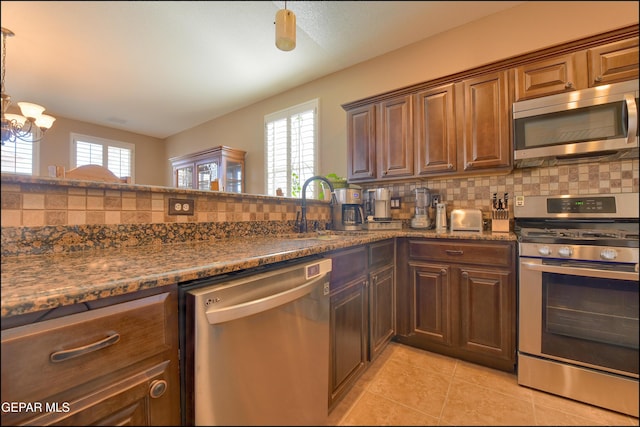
{"type": "Point", "coordinates": [39, 282]}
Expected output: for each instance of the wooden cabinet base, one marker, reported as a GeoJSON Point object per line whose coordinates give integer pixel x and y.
{"type": "Point", "coordinates": [112, 365]}
{"type": "Point", "coordinates": [469, 356]}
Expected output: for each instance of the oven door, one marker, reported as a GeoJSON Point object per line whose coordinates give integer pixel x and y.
{"type": "Point", "coordinates": [582, 313]}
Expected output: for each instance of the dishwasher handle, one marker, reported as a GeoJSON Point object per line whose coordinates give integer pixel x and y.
{"type": "Point", "coordinates": [226, 314]}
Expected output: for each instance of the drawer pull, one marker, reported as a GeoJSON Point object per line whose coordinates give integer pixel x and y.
{"type": "Point", "coordinates": [452, 252]}
{"type": "Point", "coordinates": [61, 356]}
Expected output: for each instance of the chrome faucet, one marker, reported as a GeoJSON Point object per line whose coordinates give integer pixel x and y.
{"type": "Point", "coordinates": [302, 228]}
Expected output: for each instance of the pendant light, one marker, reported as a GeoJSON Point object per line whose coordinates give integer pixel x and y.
{"type": "Point", "coordinates": [285, 29]}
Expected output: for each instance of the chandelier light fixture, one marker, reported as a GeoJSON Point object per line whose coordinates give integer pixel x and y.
{"type": "Point", "coordinates": [32, 124]}
{"type": "Point", "coordinates": [285, 29]}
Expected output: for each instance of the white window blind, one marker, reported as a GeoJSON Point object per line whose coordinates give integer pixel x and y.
{"type": "Point", "coordinates": [291, 149]}
{"type": "Point", "coordinates": [20, 157]}
{"type": "Point", "coordinates": [115, 155]}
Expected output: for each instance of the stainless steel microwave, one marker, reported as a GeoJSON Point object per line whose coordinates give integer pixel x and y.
{"type": "Point", "coordinates": [589, 124]}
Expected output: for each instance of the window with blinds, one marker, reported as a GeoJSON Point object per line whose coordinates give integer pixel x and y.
{"type": "Point", "coordinates": [291, 149]}
{"type": "Point", "coordinates": [20, 157]}
{"type": "Point", "coordinates": [115, 155]}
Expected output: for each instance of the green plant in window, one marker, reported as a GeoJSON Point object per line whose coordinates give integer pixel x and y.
{"type": "Point", "coordinates": [295, 185]}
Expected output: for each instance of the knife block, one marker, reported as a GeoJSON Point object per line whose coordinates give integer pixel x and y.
{"type": "Point", "coordinates": [500, 221]}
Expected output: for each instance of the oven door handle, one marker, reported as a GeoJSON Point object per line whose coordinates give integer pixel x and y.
{"type": "Point", "coordinates": [586, 272]}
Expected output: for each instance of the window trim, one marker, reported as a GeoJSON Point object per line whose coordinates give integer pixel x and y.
{"type": "Point", "coordinates": [104, 142]}
{"type": "Point", "coordinates": [286, 113]}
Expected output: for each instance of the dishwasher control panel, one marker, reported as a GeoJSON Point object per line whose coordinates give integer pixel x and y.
{"type": "Point", "coordinates": [317, 269]}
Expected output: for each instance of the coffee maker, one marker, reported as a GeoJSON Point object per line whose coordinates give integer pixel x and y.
{"type": "Point", "coordinates": [378, 204]}
{"type": "Point", "coordinates": [347, 211]}
{"type": "Point", "coordinates": [378, 210]}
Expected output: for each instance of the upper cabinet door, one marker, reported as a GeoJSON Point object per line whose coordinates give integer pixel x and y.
{"type": "Point", "coordinates": [550, 76]}
{"type": "Point", "coordinates": [484, 123]}
{"type": "Point", "coordinates": [613, 62]}
{"type": "Point", "coordinates": [361, 143]}
{"type": "Point", "coordinates": [435, 131]}
{"type": "Point", "coordinates": [395, 138]}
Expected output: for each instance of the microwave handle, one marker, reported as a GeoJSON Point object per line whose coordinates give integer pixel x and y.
{"type": "Point", "coordinates": [632, 112]}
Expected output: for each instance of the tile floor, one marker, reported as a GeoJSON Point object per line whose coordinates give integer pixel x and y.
{"type": "Point", "coordinates": [408, 386]}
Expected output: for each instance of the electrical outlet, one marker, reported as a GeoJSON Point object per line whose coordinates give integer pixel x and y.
{"type": "Point", "coordinates": [395, 203]}
{"type": "Point", "coordinates": [181, 207]}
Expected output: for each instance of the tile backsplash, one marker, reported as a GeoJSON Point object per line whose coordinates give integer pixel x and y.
{"type": "Point", "coordinates": [45, 215]}
{"type": "Point", "coordinates": [620, 176]}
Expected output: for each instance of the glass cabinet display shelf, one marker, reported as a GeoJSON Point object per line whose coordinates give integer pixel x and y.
{"type": "Point", "coordinates": [220, 168]}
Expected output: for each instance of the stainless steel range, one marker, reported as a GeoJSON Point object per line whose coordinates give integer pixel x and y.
{"type": "Point", "coordinates": [578, 297]}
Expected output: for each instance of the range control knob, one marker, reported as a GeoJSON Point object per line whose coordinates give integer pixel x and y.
{"type": "Point", "coordinates": [544, 250]}
{"type": "Point", "coordinates": [608, 254]}
{"type": "Point", "coordinates": [565, 251]}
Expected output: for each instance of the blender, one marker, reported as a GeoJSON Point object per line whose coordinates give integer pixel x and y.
{"type": "Point", "coordinates": [421, 217]}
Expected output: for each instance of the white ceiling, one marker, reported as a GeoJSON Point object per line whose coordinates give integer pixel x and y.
{"type": "Point", "coordinates": [160, 67]}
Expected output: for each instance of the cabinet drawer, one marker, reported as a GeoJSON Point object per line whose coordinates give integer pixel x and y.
{"type": "Point", "coordinates": [382, 253]}
{"type": "Point", "coordinates": [348, 264]}
{"type": "Point", "coordinates": [469, 253]}
{"type": "Point", "coordinates": [46, 358]}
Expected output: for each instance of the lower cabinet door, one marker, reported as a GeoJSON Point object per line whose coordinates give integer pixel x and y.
{"type": "Point", "coordinates": [431, 303]}
{"type": "Point", "coordinates": [487, 299]}
{"type": "Point", "coordinates": [349, 329]}
{"type": "Point", "coordinates": [382, 313]}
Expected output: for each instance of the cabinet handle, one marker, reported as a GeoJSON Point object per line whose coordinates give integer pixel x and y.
{"type": "Point", "coordinates": [452, 252]}
{"type": "Point", "coordinates": [443, 271]}
{"type": "Point", "coordinates": [465, 275]}
{"type": "Point", "coordinates": [467, 166]}
{"type": "Point", "coordinates": [61, 356]}
{"type": "Point", "coordinates": [157, 388]}
{"type": "Point", "coordinates": [450, 166]}
{"type": "Point", "coordinates": [598, 79]}
{"type": "Point", "coordinates": [568, 85]}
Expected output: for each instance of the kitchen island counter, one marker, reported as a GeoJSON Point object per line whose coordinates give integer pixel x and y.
{"type": "Point", "coordinates": [34, 283]}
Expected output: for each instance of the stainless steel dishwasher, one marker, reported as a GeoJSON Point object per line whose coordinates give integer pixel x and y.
{"type": "Point", "coordinates": [260, 347]}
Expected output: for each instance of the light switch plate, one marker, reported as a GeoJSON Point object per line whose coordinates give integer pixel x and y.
{"type": "Point", "coordinates": [181, 207]}
{"type": "Point", "coordinates": [395, 203]}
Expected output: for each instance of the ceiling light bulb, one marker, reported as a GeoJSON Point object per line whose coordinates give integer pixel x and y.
{"type": "Point", "coordinates": [30, 111]}
{"type": "Point", "coordinates": [285, 30]}
{"type": "Point", "coordinates": [16, 117]}
{"type": "Point", "coordinates": [45, 121]}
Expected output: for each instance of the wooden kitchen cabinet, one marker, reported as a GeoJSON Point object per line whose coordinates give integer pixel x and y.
{"type": "Point", "coordinates": [362, 311]}
{"type": "Point", "coordinates": [199, 170]}
{"type": "Point", "coordinates": [599, 65]}
{"type": "Point", "coordinates": [564, 73]}
{"type": "Point", "coordinates": [380, 140]}
{"type": "Point", "coordinates": [109, 365]}
{"type": "Point", "coordinates": [435, 144]}
{"type": "Point", "coordinates": [361, 143]}
{"type": "Point", "coordinates": [348, 320]}
{"type": "Point", "coordinates": [382, 291]}
{"type": "Point", "coordinates": [483, 106]}
{"type": "Point", "coordinates": [459, 299]}
{"type": "Point", "coordinates": [453, 129]}
{"type": "Point", "coordinates": [394, 137]}
{"type": "Point", "coordinates": [613, 62]}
